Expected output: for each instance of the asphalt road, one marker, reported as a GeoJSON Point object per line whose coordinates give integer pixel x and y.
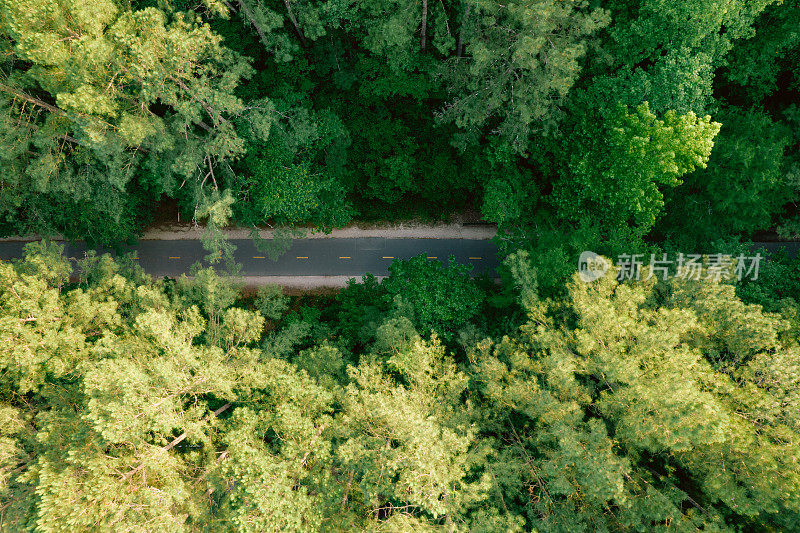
{"type": "Point", "coordinates": [320, 257]}
{"type": "Point", "coordinates": [306, 257]}
{"type": "Point", "coordinates": [790, 248]}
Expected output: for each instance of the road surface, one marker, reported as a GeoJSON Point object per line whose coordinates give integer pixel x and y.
{"type": "Point", "coordinates": [348, 257]}
{"type": "Point", "coordinates": [306, 257]}
{"type": "Point", "coordinates": [791, 248]}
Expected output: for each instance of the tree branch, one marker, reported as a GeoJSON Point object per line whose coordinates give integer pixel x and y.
{"type": "Point", "coordinates": [177, 440]}
{"type": "Point", "coordinates": [294, 22]}
{"type": "Point", "coordinates": [210, 110]}
{"type": "Point", "coordinates": [460, 45]}
{"type": "Point", "coordinates": [252, 20]}
{"type": "Point", "coordinates": [424, 28]}
{"type": "Point", "coordinates": [32, 99]}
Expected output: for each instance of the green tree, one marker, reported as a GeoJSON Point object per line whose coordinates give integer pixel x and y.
{"type": "Point", "coordinates": [103, 101]}
{"type": "Point", "coordinates": [744, 185]}
{"type": "Point", "coordinates": [666, 53]}
{"type": "Point", "coordinates": [271, 302]}
{"type": "Point", "coordinates": [619, 406]}
{"type": "Point", "coordinates": [616, 175]}
{"type": "Point", "coordinates": [129, 423]}
{"type": "Point", "coordinates": [405, 444]}
{"type": "Point", "coordinates": [522, 59]}
{"type": "Point", "coordinates": [442, 299]}
{"type": "Point", "coordinates": [757, 63]}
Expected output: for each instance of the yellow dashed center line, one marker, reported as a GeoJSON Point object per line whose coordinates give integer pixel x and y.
{"type": "Point", "coordinates": [302, 257]}
{"type": "Point", "coordinates": [388, 257]}
{"type": "Point", "coordinates": [344, 257]}
{"type": "Point", "coordinates": [433, 257]}
{"type": "Point", "coordinates": [476, 258]}
{"type": "Point", "coordinates": [171, 257]}
{"type": "Point", "coordinates": [259, 257]}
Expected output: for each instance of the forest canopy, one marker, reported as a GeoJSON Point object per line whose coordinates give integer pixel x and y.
{"type": "Point", "coordinates": [628, 117]}
{"type": "Point", "coordinates": [431, 399]}
{"type": "Point", "coordinates": [174, 405]}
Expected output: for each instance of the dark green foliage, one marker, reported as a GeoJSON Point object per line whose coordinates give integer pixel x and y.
{"type": "Point", "coordinates": [440, 299]}
{"type": "Point", "coordinates": [361, 308]}
{"type": "Point", "coordinates": [315, 113]}
{"type": "Point", "coordinates": [523, 60]}
{"type": "Point", "coordinates": [435, 298]}
{"type": "Point", "coordinates": [666, 52]}
{"type": "Point", "coordinates": [271, 302]}
{"type": "Point", "coordinates": [768, 59]}
{"type": "Point", "coordinates": [745, 183]}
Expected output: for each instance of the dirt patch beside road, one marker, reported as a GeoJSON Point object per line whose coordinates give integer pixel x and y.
{"type": "Point", "coordinates": [402, 231]}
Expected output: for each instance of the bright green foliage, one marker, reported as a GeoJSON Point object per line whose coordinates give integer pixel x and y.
{"type": "Point", "coordinates": [275, 450]}
{"type": "Point", "coordinates": [216, 209]}
{"type": "Point", "coordinates": [409, 442]}
{"type": "Point", "coordinates": [394, 336]}
{"type": "Point", "coordinates": [142, 405]}
{"type": "Point", "coordinates": [670, 388]}
{"type": "Point", "coordinates": [427, 401]}
{"type": "Point", "coordinates": [210, 293]}
{"type": "Point", "coordinates": [114, 371]}
{"type": "Point", "coordinates": [103, 100]}
{"type": "Point", "coordinates": [616, 174]}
